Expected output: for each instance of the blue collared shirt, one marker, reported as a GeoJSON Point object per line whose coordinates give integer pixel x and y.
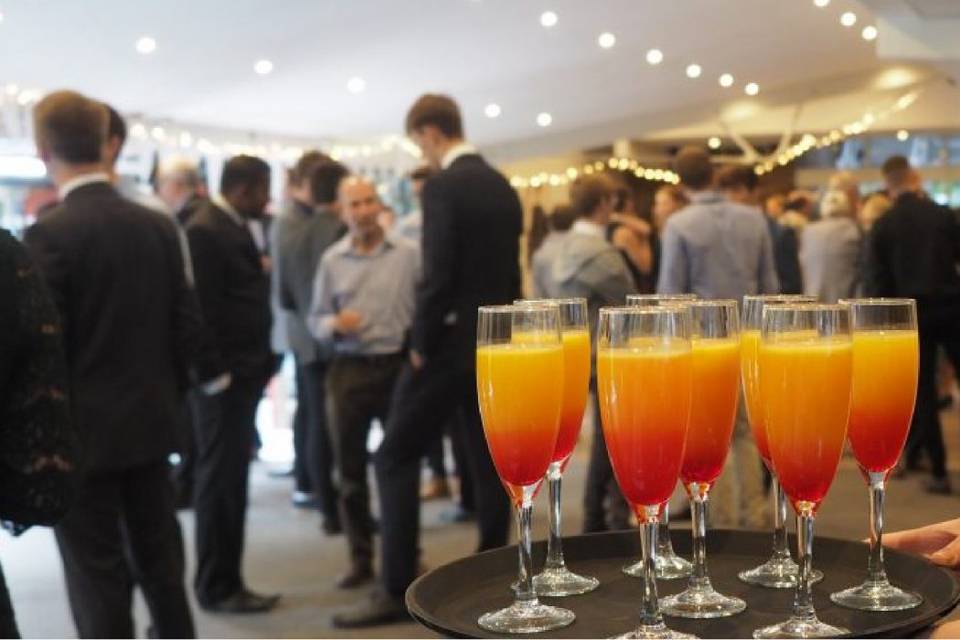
{"type": "Point", "coordinates": [380, 286]}
{"type": "Point", "coordinates": [717, 249]}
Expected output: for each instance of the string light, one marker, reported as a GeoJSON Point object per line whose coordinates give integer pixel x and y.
{"type": "Point", "coordinates": [869, 33]}
{"type": "Point", "coordinates": [714, 142]}
{"type": "Point", "coordinates": [903, 135]}
{"type": "Point", "coordinates": [848, 19]}
{"type": "Point", "coordinates": [613, 163]}
{"type": "Point", "coordinates": [694, 71]}
{"type": "Point", "coordinates": [751, 89]}
{"type": "Point", "coordinates": [654, 56]}
{"type": "Point", "coordinates": [726, 80]}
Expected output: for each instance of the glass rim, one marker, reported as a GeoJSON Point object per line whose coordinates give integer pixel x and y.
{"type": "Point", "coordinates": [877, 302]}
{"type": "Point", "coordinates": [549, 301]}
{"type": "Point", "coordinates": [663, 296]}
{"type": "Point", "coordinates": [721, 302]}
{"type": "Point", "coordinates": [781, 297]}
{"type": "Point", "coordinates": [648, 310]}
{"type": "Point", "coordinates": [808, 306]}
{"type": "Point", "coordinates": [497, 308]}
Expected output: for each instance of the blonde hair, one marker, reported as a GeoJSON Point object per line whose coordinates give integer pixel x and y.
{"type": "Point", "coordinates": [874, 208]}
{"type": "Point", "coordinates": [835, 204]}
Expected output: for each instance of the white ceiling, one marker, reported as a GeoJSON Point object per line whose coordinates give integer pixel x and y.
{"type": "Point", "coordinates": [480, 51]}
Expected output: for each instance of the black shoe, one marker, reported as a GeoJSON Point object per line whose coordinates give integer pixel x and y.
{"type": "Point", "coordinates": [244, 601]}
{"type": "Point", "coordinates": [938, 486]}
{"type": "Point", "coordinates": [332, 526]}
{"type": "Point", "coordinates": [357, 576]}
{"type": "Point", "coordinates": [457, 515]}
{"type": "Point", "coordinates": [379, 609]}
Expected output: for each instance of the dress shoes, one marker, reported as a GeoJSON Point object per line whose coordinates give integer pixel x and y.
{"type": "Point", "coordinates": [244, 601]}
{"type": "Point", "coordinates": [378, 609]}
{"type": "Point", "coordinates": [938, 486]}
{"type": "Point", "coordinates": [357, 576]}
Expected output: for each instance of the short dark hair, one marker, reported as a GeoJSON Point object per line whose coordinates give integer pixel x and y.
{"type": "Point", "coordinates": [72, 126]}
{"type": "Point", "coordinates": [117, 127]}
{"type": "Point", "coordinates": [693, 166]}
{"type": "Point", "coordinates": [325, 180]}
{"type": "Point", "coordinates": [733, 176]}
{"type": "Point", "coordinates": [244, 171]}
{"type": "Point", "coordinates": [437, 110]}
{"type": "Point", "coordinates": [562, 218]}
{"type": "Point", "coordinates": [301, 171]}
{"type": "Point", "coordinates": [588, 192]}
{"type": "Point", "coordinates": [896, 171]}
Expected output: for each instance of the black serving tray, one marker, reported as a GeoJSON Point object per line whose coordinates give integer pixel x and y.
{"type": "Point", "coordinates": [450, 598]}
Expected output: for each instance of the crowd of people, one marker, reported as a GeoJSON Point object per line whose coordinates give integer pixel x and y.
{"type": "Point", "coordinates": [142, 326]}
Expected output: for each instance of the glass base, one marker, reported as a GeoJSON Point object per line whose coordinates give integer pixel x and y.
{"type": "Point", "coordinates": [560, 581]}
{"type": "Point", "coordinates": [876, 596]}
{"type": "Point", "coordinates": [668, 567]}
{"type": "Point", "coordinates": [801, 628]}
{"type": "Point", "coordinates": [526, 617]}
{"type": "Point", "coordinates": [777, 573]}
{"type": "Point", "coordinates": [655, 631]}
{"type": "Point", "coordinates": [701, 602]}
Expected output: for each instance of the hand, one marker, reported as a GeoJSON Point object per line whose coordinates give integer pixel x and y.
{"type": "Point", "coordinates": [939, 543]}
{"type": "Point", "coordinates": [416, 360]}
{"type": "Point", "coordinates": [638, 225]}
{"type": "Point", "coordinates": [347, 322]}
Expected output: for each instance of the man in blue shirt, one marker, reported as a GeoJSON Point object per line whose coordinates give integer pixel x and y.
{"type": "Point", "coordinates": [363, 305]}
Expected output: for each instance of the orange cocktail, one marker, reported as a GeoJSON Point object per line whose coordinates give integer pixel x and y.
{"type": "Point", "coordinates": [885, 366]}
{"type": "Point", "coordinates": [520, 391]}
{"type": "Point", "coordinates": [806, 384]}
{"type": "Point", "coordinates": [716, 369]}
{"type": "Point", "coordinates": [576, 384]}
{"type": "Point", "coordinates": [750, 371]}
{"type": "Point", "coordinates": [641, 392]}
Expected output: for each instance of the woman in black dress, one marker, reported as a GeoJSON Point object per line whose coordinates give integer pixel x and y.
{"type": "Point", "coordinates": [37, 446]}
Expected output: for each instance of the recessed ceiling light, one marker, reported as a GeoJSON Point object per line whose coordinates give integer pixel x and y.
{"type": "Point", "coordinates": [714, 142]}
{"type": "Point", "coordinates": [356, 84]}
{"type": "Point", "coordinates": [263, 67]}
{"type": "Point", "coordinates": [548, 19]}
{"type": "Point", "coordinates": [821, 3]}
{"type": "Point", "coordinates": [654, 56]}
{"type": "Point", "coordinates": [146, 45]}
{"type": "Point", "coordinates": [751, 89]}
{"type": "Point", "coordinates": [694, 71]}
{"type": "Point", "coordinates": [903, 135]}
{"type": "Point", "coordinates": [607, 40]}
{"type": "Point", "coordinates": [869, 33]}
{"type": "Point", "coordinates": [848, 19]}
{"type": "Point", "coordinates": [544, 119]}
{"type": "Point", "coordinates": [726, 80]}
{"type": "Point", "coordinates": [492, 110]}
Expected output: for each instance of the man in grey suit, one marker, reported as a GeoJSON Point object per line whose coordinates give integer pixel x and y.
{"type": "Point", "coordinates": [298, 240]}
{"type": "Point", "coordinates": [830, 251]}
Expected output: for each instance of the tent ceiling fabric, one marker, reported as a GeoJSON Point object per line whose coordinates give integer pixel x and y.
{"type": "Point", "coordinates": [480, 51]}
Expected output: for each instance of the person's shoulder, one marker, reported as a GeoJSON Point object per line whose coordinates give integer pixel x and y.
{"type": "Point", "coordinates": [335, 250]}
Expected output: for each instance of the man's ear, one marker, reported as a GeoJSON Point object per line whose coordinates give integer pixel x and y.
{"type": "Point", "coordinates": [43, 152]}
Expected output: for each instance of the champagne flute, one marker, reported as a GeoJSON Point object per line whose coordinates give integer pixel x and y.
{"type": "Point", "coordinates": [713, 413]}
{"type": "Point", "coordinates": [644, 382]}
{"type": "Point", "coordinates": [886, 362]}
{"type": "Point", "coordinates": [806, 377]}
{"type": "Point", "coordinates": [556, 579]}
{"type": "Point", "coordinates": [520, 390]}
{"type": "Point", "coordinates": [780, 571]}
{"type": "Point", "coordinates": [669, 565]}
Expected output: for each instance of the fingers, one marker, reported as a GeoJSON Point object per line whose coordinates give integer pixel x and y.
{"type": "Point", "coordinates": [925, 540]}
{"type": "Point", "coordinates": [948, 556]}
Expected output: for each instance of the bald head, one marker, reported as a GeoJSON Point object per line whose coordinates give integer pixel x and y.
{"type": "Point", "coordinates": [178, 180]}
{"type": "Point", "coordinates": [360, 205]}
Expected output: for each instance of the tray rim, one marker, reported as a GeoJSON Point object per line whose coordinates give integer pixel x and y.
{"type": "Point", "coordinates": [428, 621]}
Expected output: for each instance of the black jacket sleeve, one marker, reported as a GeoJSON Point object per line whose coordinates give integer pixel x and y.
{"type": "Point", "coordinates": [435, 294]}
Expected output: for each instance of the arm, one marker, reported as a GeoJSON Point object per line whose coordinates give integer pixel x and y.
{"type": "Point", "coordinates": [609, 278]}
{"type": "Point", "coordinates": [210, 282]}
{"type": "Point", "coordinates": [636, 246]}
{"type": "Point", "coordinates": [674, 264]}
{"type": "Point", "coordinates": [323, 314]}
{"type": "Point", "coordinates": [878, 281]}
{"type": "Point", "coordinates": [436, 290]}
{"type": "Point", "coordinates": [52, 262]}
{"type": "Point", "coordinates": [768, 269]}
{"type": "Point", "coordinates": [279, 278]}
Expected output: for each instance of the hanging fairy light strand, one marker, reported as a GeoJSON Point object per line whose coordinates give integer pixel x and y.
{"type": "Point", "coordinates": [613, 163]}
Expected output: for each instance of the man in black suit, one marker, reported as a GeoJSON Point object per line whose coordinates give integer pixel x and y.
{"type": "Point", "coordinates": [472, 221]}
{"type": "Point", "coordinates": [298, 239]}
{"type": "Point", "coordinates": [131, 326]}
{"type": "Point", "coordinates": [234, 290]}
{"type": "Point", "coordinates": [913, 251]}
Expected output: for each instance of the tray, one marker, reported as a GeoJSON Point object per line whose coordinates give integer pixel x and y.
{"type": "Point", "coordinates": [450, 598]}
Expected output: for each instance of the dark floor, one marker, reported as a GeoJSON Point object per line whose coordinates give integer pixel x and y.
{"type": "Point", "coordinates": [286, 553]}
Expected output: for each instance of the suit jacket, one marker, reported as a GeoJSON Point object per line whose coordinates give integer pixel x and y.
{"type": "Point", "coordinates": [298, 239]}
{"type": "Point", "coordinates": [830, 255]}
{"type": "Point", "coordinates": [234, 292]}
{"type": "Point", "coordinates": [131, 323]}
{"type": "Point", "coordinates": [189, 209]}
{"type": "Point", "coordinates": [914, 251]}
{"type": "Point", "coordinates": [472, 221]}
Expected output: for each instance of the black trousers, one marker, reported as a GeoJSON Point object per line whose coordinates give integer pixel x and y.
{"type": "Point", "coordinates": [926, 432]}
{"type": "Point", "coordinates": [224, 428]}
{"type": "Point", "coordinates": [186, 444]}
{"type": "Point", "coordinates": [423, 401]}
{"type": "Point", "coordinates": [122, 531]}
{"type": "Point", "coordinates": [8, 621]}
{"type": "Point", "coordinates": [604, 507]}
{"type": "Point", "coordinates": [358, 390]}
{"type": "Point", "coordinates": [313, 466]}
{"type": "Point", "coordinates": [435, 459]}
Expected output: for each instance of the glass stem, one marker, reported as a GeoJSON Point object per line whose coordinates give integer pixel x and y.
{"type": "Point", "coordinates": [875, 571]}
{"type": "Point", "coordinates": [649, 605]}
{"type": "Point", "coordinates": [781, 549]}
{"type": "Point", "coordinates": [525, 593]}
{"type": "Point", "coordinates": [554, 542]}
{"type": "Point", "coordinates": [803, 600]}
{"type": "Point", "coordinates": [698, 504]}
{"type": "Point", "coordinates": [664, 547]}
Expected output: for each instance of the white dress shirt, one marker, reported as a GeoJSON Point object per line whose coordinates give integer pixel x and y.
{"type": "Point", "coordinates": [454, 152]}
{"type": "Point", "coordinates": [80, 181]}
